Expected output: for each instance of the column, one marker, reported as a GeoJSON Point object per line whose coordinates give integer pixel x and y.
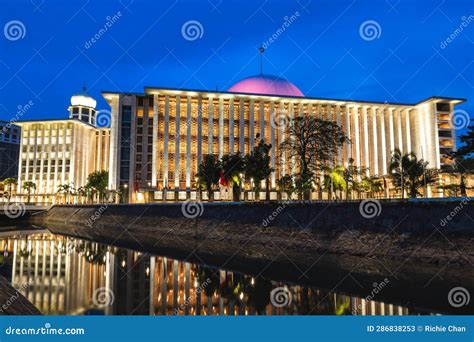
{"type": "Point", "coordinates": [262, 120]}
{"type": "Point", "coordinates": [221, 127]}
{"type": "Point", "coordinates": [339, 123]}
{"type": "Point", "coordinates": [347, 124]}
{"type": "Point", "coordinates": [231, 126]}
{"type": "Point", "coordinates": [241, 127]}
{"type": "Point", "coordinates": [390, 135]}
{"type": "Point", "coordinates": [165, 141]}
{"type": "Point", "coordinates": [292, 154]}
{"type": "Point", "coordinates": [189, 125]}
{"type": "Point", "coordinates": [282, 139]}
{"type": "Point", "coordinates": [154, 155]}
{"type": "Point", "coordinates": [273, 150]}
{"type": "Point", "coordinates": [382, 142]}
{"type": "Point", "coordinates": [210, 125]}
{"type": "Point", "coordinates": [375, 165]}
{"type": "Point", "coordinates": [365, 138]}
{"type": "Point", "coordinates": [199, 130]}
{"type": "Point", "coordinates": [251, 125]}
{"type": "Point", "coordinates": [435, 136]}
{"type": "Point", "coordinates": [356, 143]}
{"type": "Point", "coordinates": [176, 144]}
{"type": "Point", "coordinates": [398, 129]}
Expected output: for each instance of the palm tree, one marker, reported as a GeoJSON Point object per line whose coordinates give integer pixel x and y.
{"type": "Point", "coordinates": [28, 186]}
{"type": "Point", "coordinates": [66, 190]}
{"type": "Point", "coordinates": [407, 171]}
{"type": "Point", "coordinates": [334, 180]}
{"type": "Point", "coordinates": [9, 182]}
{"type": "Point", "coordinates": [373, 186]}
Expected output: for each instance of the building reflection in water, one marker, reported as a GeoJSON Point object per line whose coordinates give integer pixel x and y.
{"type": "Point", "coordinates": [68, 276]}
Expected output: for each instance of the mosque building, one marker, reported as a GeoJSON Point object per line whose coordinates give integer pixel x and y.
{"type": "Point", "coordinates": [157, 138]}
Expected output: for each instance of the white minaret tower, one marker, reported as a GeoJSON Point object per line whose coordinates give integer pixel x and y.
{"type": "Point", "coordinates": [83, 107]}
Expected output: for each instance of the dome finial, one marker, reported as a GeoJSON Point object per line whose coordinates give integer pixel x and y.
{"type": "Point", "coordinates": [261, 49]}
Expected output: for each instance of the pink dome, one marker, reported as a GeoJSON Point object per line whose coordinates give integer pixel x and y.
{"type": "Point", "coordinates": [266, 84]}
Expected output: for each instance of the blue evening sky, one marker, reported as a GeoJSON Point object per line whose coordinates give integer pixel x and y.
{"type": "Point", "coordinates": [321, 51]}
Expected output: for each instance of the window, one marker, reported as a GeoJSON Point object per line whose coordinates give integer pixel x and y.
{"type": "Point", "coordinates": [140, 101]}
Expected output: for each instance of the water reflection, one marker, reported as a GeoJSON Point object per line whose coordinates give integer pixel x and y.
{"type": "Point", "coordinates": [63, 275]}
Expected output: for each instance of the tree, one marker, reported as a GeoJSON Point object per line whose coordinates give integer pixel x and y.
{"type": "Point", "coordinates": [334, 180]}
{"type": "Point", "coordinates": [351, 174]}
{"type": "Point", "coordinates": [408, 172]}
{"type": "Point", "coordinates": [28, 186]}
{"type": "Point", "coordinates": [286, 184]}
{"type": "Point", "coordinates": [463, 159]}
{"type": "Point", "coordinates": [10, 183]}
{"type": "Point", "coordinates": [372, 185]}
{"type": "Point", "coordinates": [314, 143]}
{"type": "Point", "coordinates": [208, 173]}
{"type": "Point", "coordinates": [98, 181]}
{"type": "Point", "coordinates": [232, 166]}
{"type": "Point", "coordinates": [257, 166]}
{"type": "Point", "coordinates": [67, 190]}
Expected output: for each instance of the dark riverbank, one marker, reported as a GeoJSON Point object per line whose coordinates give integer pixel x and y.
{"type": "Point", "coordinates": [328, 245]}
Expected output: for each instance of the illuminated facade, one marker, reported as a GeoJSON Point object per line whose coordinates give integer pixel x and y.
{"type": "Point", "coordinates": [159, 137]}
{"type": "Point", "coordinates": [63, 151]}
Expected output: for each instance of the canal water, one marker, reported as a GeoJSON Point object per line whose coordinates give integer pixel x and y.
{"type": "Point", "coordinates": [67, 276]}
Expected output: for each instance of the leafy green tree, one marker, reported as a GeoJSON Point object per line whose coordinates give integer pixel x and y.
{"type": "Point", "coordinates": [257, 166]}
{"type": "Point", "coordinates": [407, 171]}
{"type": "Point", "coordinates": [97, 181]}
{"type": "Point", "coordinates": [314, 143]}
{"type": "Point", "coordinates": [10, 184]}
{"type": "Point", "coordinates": [232, 166]}
{"type": "Point", "coordinates": [29, 186]}
{"type": "Point", "coordinates": [208, 173]}
{"type": "Point", "coordinates": [334, 180]}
